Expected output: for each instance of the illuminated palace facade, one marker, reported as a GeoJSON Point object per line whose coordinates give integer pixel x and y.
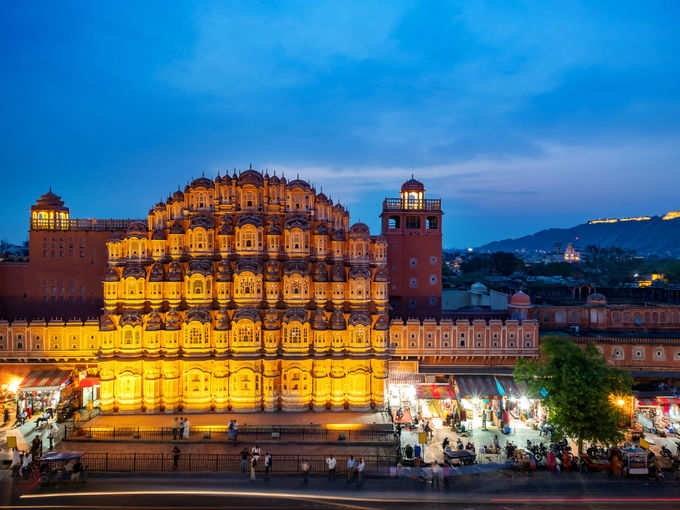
{"type": "Point", "coordinates": [243, 293]}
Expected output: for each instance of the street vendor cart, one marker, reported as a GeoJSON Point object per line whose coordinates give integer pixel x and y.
{"type": "Point", "coordinates": [62, 468]}
{"type": "Point", "coordinates": [459, 457]}
{"type": "Point", "coordinates": [635, 462]}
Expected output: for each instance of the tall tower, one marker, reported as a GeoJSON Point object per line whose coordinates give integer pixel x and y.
{"type": "Point", "coordinates": [412, 227]}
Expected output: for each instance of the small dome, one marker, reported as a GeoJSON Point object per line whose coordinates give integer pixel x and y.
{"type": "Point", "coordinates": [251, 176]}
{"type": "Point", "coordinates": [177, 228]}
{"type": "Point", "coordinates": [295, 315]}
{"type": "Point", "coordinates": [49, 201]}
{"type": "Point", "coordinates": [321, 230]}
{"type": "Point", "coordinates": [359, 272]}
{"type": "Point", "coordinates": [246, 313]}
{"type": "Point", "coordinates": [271, 321]}
{"type": "Point", "coordinates": [227, 229]}
{"type": "Point", "coordinates": [106, 323]}
{"type": "Point", "coordinates": [412, 185]}
{"type": "Point", "coordinates": [224, 273]}
{"type": "Point", "coordinates": [157, 274]}
{"type": "Point", "coordinates": [299, 183]}
{"type": "Point", "coordinates": [175, 272]}
{"type": "Point", "coordinates": [297, 222]}
{"type": "Point", "coordinates": [338, 321]}
{"type": "Point", "coordinates": [173, 320]}
{"type": "Point", "coordinates": [479, 288]}
{"type": "Point", "coordinates": [137, 229]}
{"type": "Point", "coordinates": [360, 228]}
{"type": "Point", "coordinates": [222, 322]}
{"type": "Point", "coordinates": [338, 236]}
{"type": "Point", "coordinates": [596, 299]}
{"type": "Point", "coordinates": [250, 219]}
{"type": "Point", "coordinates": [178, 196]}
{"type": "Point", "coordinates": [203, 221]}
{"type": "Point", "coordinates": [158, 235]}
{"type": "Point", "coordinates": [274, 180]}
{"type": "Point", "coordinates": [130, 319]}
{"type": "Point", "coordinates": [248, 265]}
{"type": "Point", "coordinates": [154, 322]}
{"type": "Point", "coordinates": [338, 273]}
{"type": "Point", "coordinates": [381, 324]}
{"type": "Point", "coordinates": [359, 319]}
{"type": "Point", "coordinates": [520, 300]}
{"type": "Point", "coordinates": [320, 272]}
{"type": "Point", "coordinates": [322, 198]}
{"type": "Point", "coordinates": [111, 276]}
{"type": "Point", "coordinates": [198, 315]}
{"type": "Point", "coordinates": [273, 229]}
{"type": "Point", "coordinates": [296, 267]}
{"type": "Point", "coordinates": [319, 321]}
{"type": "Point", "coordinates": [200, 266]}
{"type": "Point", "coordinates": [202, 182]}
{"type": "Point", "coordinates": [134, 271]}
{"type": "Point", "coordinates": [380, 276]}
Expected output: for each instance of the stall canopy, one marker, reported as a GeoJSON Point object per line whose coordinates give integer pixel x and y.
{"type": "Point", "coordinates": [44, 380]}
{"type": "Point", "coordinates": [88, 382]}
{"type": "Point", "coordinates": [477, 386]}
{"type": "Point", "coordinates": [508, 387]}
{"type": "Point", "coordinates": [435, 391]}
{"type": "Point", "coordinates": [647, 402]}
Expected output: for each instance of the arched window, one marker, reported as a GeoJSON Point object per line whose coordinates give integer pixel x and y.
{"type": "Point", "coordinates": [127, 337]}
{"type": "Point", "coordinates": [199, 240]}
{"type": "Point", "coordinates": [294, 335]}
{"type": "Point", "coordinates": [295, 287]}
{"type": "Point", "coordinates": [359, 335]}
{"type": "Point", "coordinates": [198, 287]}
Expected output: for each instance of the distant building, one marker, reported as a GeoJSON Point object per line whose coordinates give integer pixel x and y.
{"type": "Point", "coordinates": [571, 255]}
{"type": "Point", "coordinates": [477, 296]}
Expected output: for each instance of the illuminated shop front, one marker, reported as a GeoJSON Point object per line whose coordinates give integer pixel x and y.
{"type": "Point", "coordinates": [41, 390]}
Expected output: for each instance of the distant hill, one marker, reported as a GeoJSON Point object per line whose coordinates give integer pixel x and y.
{"type": "Point", "coordinates": [653, 236]}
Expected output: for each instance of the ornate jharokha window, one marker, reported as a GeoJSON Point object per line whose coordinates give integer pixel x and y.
{"type": "Point", "coordinates": [247, 286]}
{"type": "Point", "coordinates": [248, 239]}
{"type": "Point", "coordinates": [127, 337]}
{"type": "Point", "coordinates": [198, 287]}
{"type": "Point", "coordinates": [245, 334]}
{"type": "Point", "coordinates": [295, 336]}
{"type": "Point", "coordinates": [359, 335]}
{"type": "Point", "coordinates": [195, 336]}
{"type": "Point", "coordinates": [295, 287]}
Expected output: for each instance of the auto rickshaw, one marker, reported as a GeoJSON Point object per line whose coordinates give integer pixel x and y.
{"type": "Point", "coordinates": [59, 469]}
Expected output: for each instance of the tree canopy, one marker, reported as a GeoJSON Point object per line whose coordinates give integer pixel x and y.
{"type": "Point", "coordinates": [580, 386]}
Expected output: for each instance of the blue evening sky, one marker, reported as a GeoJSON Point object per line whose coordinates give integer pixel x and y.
{"type": "Point", "coordinates": [519, 115]}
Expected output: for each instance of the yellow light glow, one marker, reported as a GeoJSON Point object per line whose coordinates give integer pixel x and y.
{"type": "Point", "coordinates": [14, 385]}
{"type": "Point", "coordinates": [671, 215]}
{"type": "Point", "coordinates": [344, 426]}
{"type": "Point", "coordinates": [608, 220]}
{"type": "Point", "coordinates": [637, 218]}
{"type": "Point", "coordinates": [620, 402]}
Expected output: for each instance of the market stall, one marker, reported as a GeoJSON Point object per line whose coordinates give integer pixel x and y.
{"type": "Point", "coordinates": [41, 390]}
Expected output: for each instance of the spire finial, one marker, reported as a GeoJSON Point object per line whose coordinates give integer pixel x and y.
{"type": "Point", "coordinates": [202, 173]}
{"type": "Point", "coordinates": [250, 166]}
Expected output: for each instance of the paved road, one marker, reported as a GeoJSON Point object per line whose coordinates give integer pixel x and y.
{"type": "Point", "coordinates": [494, 490]}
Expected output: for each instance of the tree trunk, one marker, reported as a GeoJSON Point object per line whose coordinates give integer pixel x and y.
{"type": "Point", "coordinates": [580, 446]}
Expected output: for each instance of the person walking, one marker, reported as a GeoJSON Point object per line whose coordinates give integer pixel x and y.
{"type": "Point", "coordinates": [51, 437]}
{"type": "Point", "coordinates": [244, 460]}
{"type": "Point", "coordinates": [267, 465]}
{"type": "Point", "coordinates": [331, 463]}
{"type": "Point", "coordinates": [187, 428]}
{"type": "Point", "coordinates": [6, 415]}
{"type": "Point", "coordinates": [305, 473]}
{"type": "Point", "coordinates": [230, 430]}
{"type": "Point", "coordinates": [180, 430]}
{"type": "Point", "coordinates": [360, 472]}
{"type": "Point", "coordinates": [350, 469]}
{"type": "Point", "coordinates": [235, 431]}
{"type": "Point", "coordinates": [256, 452]}
{"type": "Point", "coordinates": [175, 428]}
{"type": "Point", "coordinates": [175, 457]}
{"type": "Point", "coordinates": [436, 475]}
{"type": "Point", "coordinates": [253, 465]}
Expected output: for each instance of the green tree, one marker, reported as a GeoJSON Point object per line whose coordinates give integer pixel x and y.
{"type": "Point", "coordinates": [580, 386]}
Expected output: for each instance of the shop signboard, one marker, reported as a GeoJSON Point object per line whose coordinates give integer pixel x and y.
{"type": "Point", "coordinates": [422, 438]}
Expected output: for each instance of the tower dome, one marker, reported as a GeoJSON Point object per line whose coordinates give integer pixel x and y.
{"type": "Point", "coordinates": [412, 185]}
{"type": "Point", "coordinates": [596, 299]}
{"type": "Point", "coordinates": [520, 300]}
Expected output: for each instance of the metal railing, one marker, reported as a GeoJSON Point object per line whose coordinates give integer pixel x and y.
{"type": "Point", "coordinates": [223, 463]}
{"type": "Point", "coordinates": [397, 204]}
{"type": "Point", "coordinates": [220, 433]}
{"type": "Point", "coordinates": [82, 224]}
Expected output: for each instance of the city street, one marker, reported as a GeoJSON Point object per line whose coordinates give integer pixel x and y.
{"type": "Point", "coordinates": [491, 490]}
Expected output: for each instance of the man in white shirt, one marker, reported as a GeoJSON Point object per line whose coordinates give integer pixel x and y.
{"type": "Point", "coordinates": [331, 463]}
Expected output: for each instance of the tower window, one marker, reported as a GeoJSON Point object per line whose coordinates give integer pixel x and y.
{"type": "Point", "coordinates": [394, 222]}
{"type": "Point", "coordinates": [413, 222]}
{"type": "Point", "coordinates": [431, 223]}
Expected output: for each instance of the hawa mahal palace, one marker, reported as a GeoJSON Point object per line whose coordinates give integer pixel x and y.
{"type": "Point", "coordinates": [246, 292]}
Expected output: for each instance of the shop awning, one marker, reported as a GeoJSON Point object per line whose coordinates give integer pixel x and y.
{"type": "Point", "coordinates": [508, 387]}
{"type": "Point", "coordinates": [477, 386]}
{"type": "Point", "coordinates": [434, 391]}
{"type": "Point", "coordinates": [44, 380]}
{"type": "Point", "coordinates": [647, 402]}
{"type": "Point", "coordinates": [664, 401]}
{"type": "Point", "coordinates": [88, 382]}
{"type": "Point", "coordinates": [405, 378]}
